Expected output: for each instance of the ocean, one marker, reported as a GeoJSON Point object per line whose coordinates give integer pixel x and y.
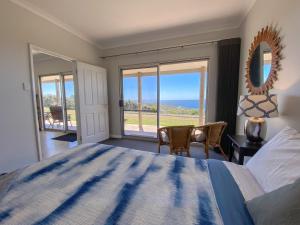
{"type": "Point", "coordinates": [190, 104]}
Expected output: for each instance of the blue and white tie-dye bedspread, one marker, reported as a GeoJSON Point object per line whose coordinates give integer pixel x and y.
{"type": "Point", "coordinates": [100, 184]}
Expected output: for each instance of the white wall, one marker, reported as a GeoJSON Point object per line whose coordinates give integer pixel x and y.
{"type": "Point", "coordinates": [18, 28]}
{"type": "Point", "coordinates": [51, 66]}
{"type": "Point", "coordinates": [113, 66]}
{"type": "Point", "coordinates": [286, 15]}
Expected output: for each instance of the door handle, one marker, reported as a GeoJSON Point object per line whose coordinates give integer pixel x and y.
{"type": "Point", "coordinates": [121, 103]}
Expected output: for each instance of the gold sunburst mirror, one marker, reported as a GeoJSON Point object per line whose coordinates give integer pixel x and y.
{"type": "Point", "coordinates": [263, 61]}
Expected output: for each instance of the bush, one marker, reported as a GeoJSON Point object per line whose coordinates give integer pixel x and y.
{"type": "Point", "coordinates": [49, 100]}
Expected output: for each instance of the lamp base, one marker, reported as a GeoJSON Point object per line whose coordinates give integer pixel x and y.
{"type": "Point", "coordinates": [255, 130]}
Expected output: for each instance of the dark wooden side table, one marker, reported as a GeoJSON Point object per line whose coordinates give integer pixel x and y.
{"type": "Point", "coordinates": [239, 144]}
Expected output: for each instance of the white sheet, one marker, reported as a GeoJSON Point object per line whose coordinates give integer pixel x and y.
{"type": "Point", "coordinates": [5, 181]}
{"type": "Point", "coordinates": [248, 185]}
{"type": "Point", "coordinates": [277, 163]}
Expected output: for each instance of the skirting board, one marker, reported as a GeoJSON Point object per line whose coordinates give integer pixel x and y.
{"type": "Point", "coordinates": [115, 136]}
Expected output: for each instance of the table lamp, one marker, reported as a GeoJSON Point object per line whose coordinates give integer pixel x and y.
{"type": "Point", "coordinates": [256, 108]}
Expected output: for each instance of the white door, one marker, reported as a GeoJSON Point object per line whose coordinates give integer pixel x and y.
{"type": "Point", "coordinates": [92, 102]}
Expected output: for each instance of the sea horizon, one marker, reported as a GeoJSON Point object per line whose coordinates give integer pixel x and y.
{"type": "Point", "coordinates": [186, 103]}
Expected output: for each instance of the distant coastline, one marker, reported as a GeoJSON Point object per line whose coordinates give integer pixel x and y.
{"type": "Point", "coordinates": [189, 104]}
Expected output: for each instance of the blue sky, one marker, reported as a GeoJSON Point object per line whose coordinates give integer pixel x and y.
{"type": "Point", "coordinates": [267, 69]}
{"type": "Point", "coordinates": [179, 87]}
{"type": "Point", "coordinates": [185, 86]}
{"type": "Point", "coordinates": [49, 88]}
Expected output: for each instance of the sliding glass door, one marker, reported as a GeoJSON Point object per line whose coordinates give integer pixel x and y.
{"type": "Point", "coordinates": [51, 96]}
{"type": "Point", "coordinates": [140, 101]}
{"type": "Point", "coordinates": [68, 81]}
{"type": "Point", "coordinates": [183, 93]}
{"type": "Point", "coordinates": [58, 102]}
{"type": "Point", "coordinates": [176, 95]}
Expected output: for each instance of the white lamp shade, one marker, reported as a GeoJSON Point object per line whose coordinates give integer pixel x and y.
{"type": "Point", "coordinates": [259, 106]}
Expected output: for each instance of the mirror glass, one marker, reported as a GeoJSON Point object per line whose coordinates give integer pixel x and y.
{"type": "Point", "coordinates": [261, 64]}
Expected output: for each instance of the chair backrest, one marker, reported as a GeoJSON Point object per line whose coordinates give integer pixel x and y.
{"type": "Point", "coordinates": [179, 136]}
{"type": "Point", "coordinates": [215, 132]}
{"type": "Point", "coordinates": [56, 112]}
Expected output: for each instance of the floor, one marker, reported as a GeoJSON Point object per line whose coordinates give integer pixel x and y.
{"type": "Point", "coordinates": [147, 130]}
{"type": "Point", "coordinates": [196, 150]}
{"type": "Point", "coordinates": [59, 126]}
{"type": "Point", "coordinates": [52, 147]}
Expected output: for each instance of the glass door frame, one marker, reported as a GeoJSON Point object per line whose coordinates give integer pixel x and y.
{"type": "Point", "coordinates": [157, 65]}
{"type": "Point", "coordinates": [121, 102]}
{"type": "Point", "coordinates": [62, 99]}
{"type": "Point", "coordinates": [65, 108]}
{"type": "Point", "coordinates": [206, 92]}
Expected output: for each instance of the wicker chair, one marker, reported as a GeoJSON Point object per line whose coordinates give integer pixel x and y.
{"type": "Point", "coordinates": [177, 137]}
{"type": "Point", "coordinates": [210, 135]}
{"type": "Point", "coordinates": [57, 115]}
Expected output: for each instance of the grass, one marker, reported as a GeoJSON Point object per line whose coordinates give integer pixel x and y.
{"type": "Point", "coordinates": [150, 118]}
{"type": "Point", "coordinates": [165, 119]}
{"type": "Point", "coordinates": [169, 115]}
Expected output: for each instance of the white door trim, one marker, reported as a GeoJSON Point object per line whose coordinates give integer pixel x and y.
{"type": "Point", "coordinates": [32, 50]}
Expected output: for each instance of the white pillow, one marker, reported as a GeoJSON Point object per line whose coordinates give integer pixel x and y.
{"type": "Point", "coordinates": [277, 163]}
{"type": "Point", "coordinates": [199, 135]}
{"type": "Point", "coordinates": [165, 137]}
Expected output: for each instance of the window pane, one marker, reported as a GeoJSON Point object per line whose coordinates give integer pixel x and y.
{"type": "Point", "coordinates": [52, 102]}
{"type": "Point", "coordinates": [140, 101]}
{"type": "Point", "coordinates": [70, 102]}
{"type": "Point", "coordinates": [183, 93]}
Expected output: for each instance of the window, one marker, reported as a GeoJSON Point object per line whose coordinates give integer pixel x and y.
{"type": "Point", "coordinates": [174, 96]}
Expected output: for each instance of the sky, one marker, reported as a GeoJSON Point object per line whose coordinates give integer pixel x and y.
{"type": "Point", "coordinates": [184, 86]}
{"type": "Point", "coordinates": [172, 87]}
{"type": "Point", "coordinates": [49, 88]}
{"type": "Point", "coordinates": [267, 69]}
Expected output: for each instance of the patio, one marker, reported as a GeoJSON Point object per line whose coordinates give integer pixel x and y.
{"type": "Point", "coordinates": [60, 126]}
{"type": "Point", "coordinates": [147, 124]}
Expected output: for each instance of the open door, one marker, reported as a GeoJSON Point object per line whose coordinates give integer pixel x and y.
{"type": "Point", "coordinates": [92, 103]}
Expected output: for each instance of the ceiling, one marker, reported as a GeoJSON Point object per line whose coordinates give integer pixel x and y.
{"type": "Point", "coordinates": [112, 23]}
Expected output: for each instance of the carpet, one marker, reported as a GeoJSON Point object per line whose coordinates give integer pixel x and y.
{"type": "Point", "coordinates": [70, 137]}
{"type": "Point", "coordinates": [196, 150]}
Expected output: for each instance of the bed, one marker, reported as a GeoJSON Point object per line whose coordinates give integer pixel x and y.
{"type": "Point", "coordinates": [102, 184]}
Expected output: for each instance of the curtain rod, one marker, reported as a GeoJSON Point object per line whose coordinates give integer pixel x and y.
{"type": "Point", "coordinates": [160, 49]}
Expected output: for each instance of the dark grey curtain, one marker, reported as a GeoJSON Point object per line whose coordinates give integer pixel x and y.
{"type": "Point", "coordinates": [228, 81]}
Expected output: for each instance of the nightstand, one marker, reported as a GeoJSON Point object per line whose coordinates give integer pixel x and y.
{"type": "Point", "coordinates": [239, 144]}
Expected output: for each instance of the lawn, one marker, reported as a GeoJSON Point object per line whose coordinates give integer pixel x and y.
{"type": "Point", "coordinates": [165, 119]}
{"type": "Point", "coordinates": [150, 118]}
